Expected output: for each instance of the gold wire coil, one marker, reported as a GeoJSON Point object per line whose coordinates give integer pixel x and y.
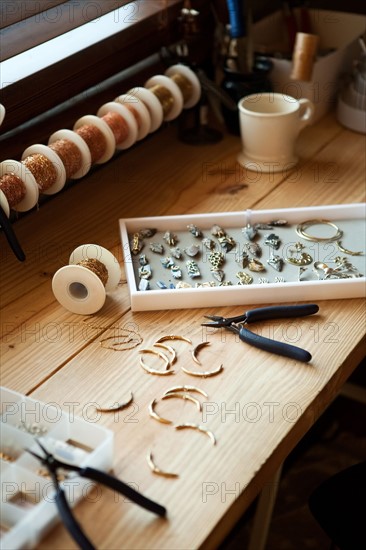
{"type": "Point", "coordinates": [184, 85]}
{"type": "Point", "coordinates": [96, 267]}
{"type": "Point", "coordinates": [164, 96]}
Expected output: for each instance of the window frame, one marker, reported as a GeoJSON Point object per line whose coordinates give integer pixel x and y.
{"type": "Point", "coordinates": [156, 25]}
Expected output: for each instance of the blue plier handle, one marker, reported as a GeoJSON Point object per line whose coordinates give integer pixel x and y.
{"type": "Point", "coordinates": [236, 324]}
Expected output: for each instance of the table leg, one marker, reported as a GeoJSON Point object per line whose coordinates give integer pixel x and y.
{"type": "Point", "coordinates": [263, 514]}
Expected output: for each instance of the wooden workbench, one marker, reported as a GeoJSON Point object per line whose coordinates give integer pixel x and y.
{"type": "Point", "coordinates": [259, 407]}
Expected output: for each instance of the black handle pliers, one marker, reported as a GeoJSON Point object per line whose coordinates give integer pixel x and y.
{"type": "Point", "coordinates": [236, 324]}
{"type": "Point", "coordinates": [53, 464]}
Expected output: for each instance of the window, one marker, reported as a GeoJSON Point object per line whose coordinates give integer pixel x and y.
{"type": "Point", "coordinates": [52, 51]}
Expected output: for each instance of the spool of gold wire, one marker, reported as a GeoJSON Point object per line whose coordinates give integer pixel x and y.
{"type": "Point", "coordinates": [164, 96]}
{"type": "Point", "coordinates": [82, 286]}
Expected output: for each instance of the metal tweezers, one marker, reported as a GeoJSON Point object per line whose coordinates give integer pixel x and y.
{"type": "Point", "coordinates": [53, 464]}
{"type": "Point", "coordinates": [236, 325]}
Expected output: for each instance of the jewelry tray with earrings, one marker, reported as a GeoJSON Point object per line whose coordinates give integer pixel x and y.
{"type": "Point", "coordinates": [248, 257]}
{"type": "Point", "coordinates": [27, 508]}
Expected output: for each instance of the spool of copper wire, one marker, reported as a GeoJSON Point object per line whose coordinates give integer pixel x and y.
{"type": "Point", "coordinates": [82, 286]}
{"type": "Point", "coordinates": [98, 136]}
{"type": "Point", "coordinates": [118, 126]}
{"type": "Point", "coordinates": [114, 107]}
{"type": "Point", "coordinates": [18, 188]}
{"type": "Point", "coordinates": [139, 111]}
{"type": "Point", "coordinates": [42, 169]}
{"type": "Point", "coordinates": [73, 152]}
{"type": "Point", "coordinates": [46, 166]}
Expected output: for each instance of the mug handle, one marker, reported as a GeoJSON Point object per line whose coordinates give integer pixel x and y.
{"type": "Point", "coordinates": [306, 111]}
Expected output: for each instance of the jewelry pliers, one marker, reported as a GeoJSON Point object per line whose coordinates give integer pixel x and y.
{"type": "Point", "coordinates": [53, 465]}
{"type": "Point", "coordinates": [236, 325]}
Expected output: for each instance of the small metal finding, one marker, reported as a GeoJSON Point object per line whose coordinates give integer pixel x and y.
{"type": "Point", "coordinates": [174, 337]}
{"type": "Point", "coordinates": [170, 349]}
{"type": "Point", "coordinates": [255, 265]}
{"type": "Point", "coordinates": [196, 232]}
{"type": "Point", "coordinates": [346, 251]}
{"type": "Point", "coordinates": [155, 415]}
{"type": "Point", "coordinates": [156, 371]}
{"type": "Point", "coordinates": [157, 470]}
{"type": "Point", "coordinates": [118, 407]}
{"type": "Point", "coordinates": [170, 238]}
{"type": "Point", "coordinates": [185, 396]}
{"type": "Point", "coordinates": [244, 278]}
{"type": "Point", "coordinates": [273, 241]}
{"type": "Point", "coordinates": [205, 374]}
{"type": "Point", "coordinates": [186, 389]}
{"type": "Point", "coordinates": [276, 262]}
{"type": "Point", "coordinates": [196, 349]}
{"type": "Point", "coordinates": [198, 428]}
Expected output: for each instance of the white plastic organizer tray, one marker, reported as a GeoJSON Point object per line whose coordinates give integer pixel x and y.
{"type": "Point", "coordinates": [27, 507]}
{"type": "Point", "coordinates": [265, 288]}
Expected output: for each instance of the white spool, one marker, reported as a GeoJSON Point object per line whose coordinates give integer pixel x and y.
{"type": "Point", "coordinates": [168, 83]}
{"type": "Point", "coordinates": [152, 104]}
{"type": "Point", "coordinates": [77, 288]}
{"type": "Point", "coordinates": [193, 79]}
{"type": "Point", "coordinates": [80, 144]}
{"type": "Point", "coordinates": [2, 113]}
{"type": "Point", "coordinates": [141, 110]}
{"type": "Point", "coordinates": [32, 192]}
{"type": "Point", "coordinates": [4, 203]}
{"type": "Point", "coordinates": [122, 110]}
{"type": "Point", "coordinates": [39, 149]}
{"type": "Point", "coordinates": [93, 120]}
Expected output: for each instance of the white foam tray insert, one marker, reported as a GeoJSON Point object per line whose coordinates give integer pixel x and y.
{"type": "Point", "coordinates": [292, 291]}
{"type": "Point", "coordinates": [24, 524]}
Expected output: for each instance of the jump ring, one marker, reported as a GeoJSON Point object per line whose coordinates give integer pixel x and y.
{"type": "Point", "coordinates": [300, 230]}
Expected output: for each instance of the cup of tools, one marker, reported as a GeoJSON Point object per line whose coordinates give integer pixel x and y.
{"type": "Point", "coordinates": [269, 126]}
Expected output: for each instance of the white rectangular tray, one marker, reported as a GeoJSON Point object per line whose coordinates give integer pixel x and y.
{"type": "Point", "coordinates": [27, 507]}
{"type": "Point", "coordinates": [349, 217]}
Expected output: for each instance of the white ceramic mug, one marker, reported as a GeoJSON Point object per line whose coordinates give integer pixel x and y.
{"type": "Point", "coordinates": [269, 125]}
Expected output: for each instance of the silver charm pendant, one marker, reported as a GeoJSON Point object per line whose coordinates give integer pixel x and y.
{"type": "Point", "coordinates": [193, 269]}
{"type": "Point", "coordinates": [218, 274]}
{"type": "Point", "coordinates": [209, 243]}
{"type": "Point", "coordinates": [176, 252]}
{"type": "Point", "coordinates": [170, 238]}
{"type": "Point", "coordinates": [216, 259]}
{"type": "Point", "coordinates": [176, 272]}
{"type": "Point", "coordinates": [157, 248]}
{"type": "Point", "coordinates": [250, 231]}
{"type": "Point", "coordinates": [276, 262]}
{"type": "Point", "coordinates": [254, 249]}
{"type": "Point", "coordinates": [273, 241]}
{"type": "Point", "coordinates": [194, 230]}
{"type": "Point", "coordinates": [145, 272]}
{"type": "Point", "coordinates": [167, 262]}
{"type": "Point", "coordinates": [192, 250]}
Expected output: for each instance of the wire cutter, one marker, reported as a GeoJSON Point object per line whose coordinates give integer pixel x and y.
{"type": "Point", "coordinates": [53, 464]}
{"type": "Point", "coordinates": [236, 325]}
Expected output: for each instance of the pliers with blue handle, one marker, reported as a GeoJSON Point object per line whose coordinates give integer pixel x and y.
{"type": "Point", "coordinates": [53, 465]}
{"type": "Point", "coordinates": [236, 324]}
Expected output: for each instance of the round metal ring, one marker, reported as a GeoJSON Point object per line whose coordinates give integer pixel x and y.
{"type": "Point", "coordinates": [302, 227]}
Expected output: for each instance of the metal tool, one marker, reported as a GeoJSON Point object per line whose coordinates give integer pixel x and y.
{"type": "Point", "coordinates": [53, 465]}
{"type": "Point", "coordinates": [236, 325]}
